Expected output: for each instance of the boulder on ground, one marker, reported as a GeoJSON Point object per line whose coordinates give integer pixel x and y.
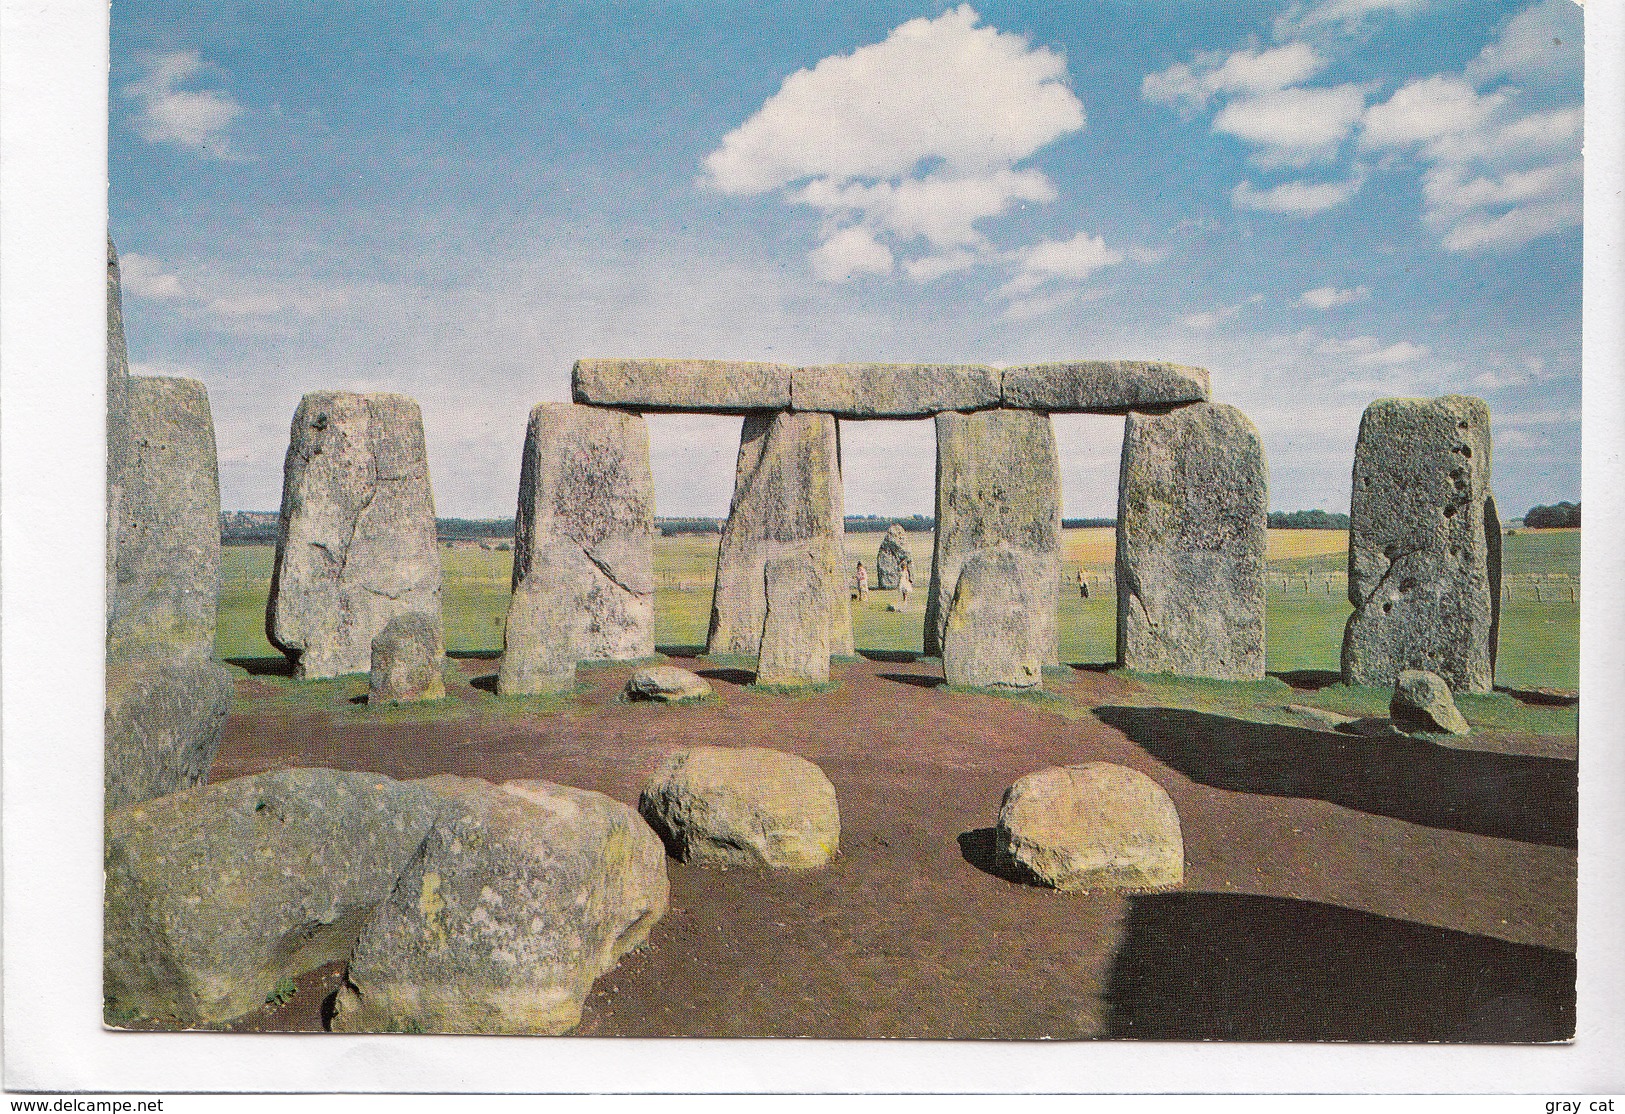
{"type": "Point", "coordinates": [1424, 545]}
{"type": "Point", "coordinates": [214, 894]}
{"type": "Point", "coordinates": [1103, 386]}
{"type": "Point", "coordinates": [892, 559]}
{"type": "Point", "coordinates": [718, 386]}
{"type": "Point", "coordinates": [583, 569]}
{"type": "Point", "coordinates": [1192, 511]}
{"type": "Point", "coordinates": [668, 684]}
{"type": "Point", "coordinates": [356, 540]}
{"type": "Point", "coordinates": [1422, 704]}
{"type": "Point", "coordinates": [408, 662]}
{"type": "Point", "coordinates": [990, 640]}
{"type": "Point", "coordinates": [743, 806]}
{"type": "Point", "coordinates": [1091, 826]}
{"type": "Point", "coordinates": [520, 895]}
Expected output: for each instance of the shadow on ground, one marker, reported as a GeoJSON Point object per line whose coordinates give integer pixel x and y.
{"type": "Point", "coordinates": [1503, 795]}
{"type": "Point", "coordinates": [1308, 680]}
{"type": "Point", "coordinates": [1203, 966]}
{"type": "Point", "coordinates": [919, 680]}
{"type": "Point", "coordinates": [730, 676]}
{"type": "Point", "coordinates": [278, 666]}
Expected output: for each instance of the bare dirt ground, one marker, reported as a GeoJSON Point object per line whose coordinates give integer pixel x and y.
{"type": "Point", "coordinates": [1338, 886]}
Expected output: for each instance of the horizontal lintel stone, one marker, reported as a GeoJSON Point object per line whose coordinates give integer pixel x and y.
{"type": "Point", "coordinates": [715, 386]}
{"type": "Point", "coordinates": [1103, 386]}
{"type": "Point", "coordinates": [894, 390]}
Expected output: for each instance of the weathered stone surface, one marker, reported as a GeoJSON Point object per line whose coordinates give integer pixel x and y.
{"type": "Point", "coordinates": [668, 684]}
{"type": "Point", "coordinates": [858, 391]}
{"type": "Point", "coordinates": [998, 480]}
{"type": "Point", "coordinates": [743, 806]}
{"type": "Point", "coordinates": [519, 897]}
{"type": "Point", "coordinates": [167, 697]}
{"type": "Point", "coordinates": [118, 413]}
{"type": "Point", "coordinates": [1422, 704]}
{"type": "Point", "coordinates": [583, 569]}
{"type": "Point", "coordinates": [717, 386]}
{"type": "Point", "coordinates": [787, 503]}
{"type": "Point", "coordinates": [408, 659]}
{"type": "Point", "coordinates": [214, 894]}
{"type": "Point", "coordinates": [990, 640]}
{"type": "Point", "coordinates": [795, 633]}
{"type": "Point", "coordinates": [1424, 545]}
{"type": "Point", "coordinates": [892, 559]}
{"type": "Point", "coordinates": [1192, 509]}
{"type": "Point", "coordinates": [356, 544]}
{"type": "Point", "coordinates": [1103, 386]}
{"type": "Point", "coordinates": [1091, 826]}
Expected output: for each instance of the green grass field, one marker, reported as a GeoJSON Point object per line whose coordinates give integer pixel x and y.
{"type": "Point", "coordinates": [1539, 638]}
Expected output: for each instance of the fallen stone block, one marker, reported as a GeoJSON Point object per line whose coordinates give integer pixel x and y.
{"type": "Point", "coordinates": [1422, 704]}
{"type": "Point", "coordinates": [1093, 826]}
{"type": "Point", "coordinates": [667, 684]}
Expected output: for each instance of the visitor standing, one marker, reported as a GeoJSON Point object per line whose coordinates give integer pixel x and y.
{"type": "Point", "coordinates": [863, 582]}
{"type": "Point", "coordinates": [905, 585]}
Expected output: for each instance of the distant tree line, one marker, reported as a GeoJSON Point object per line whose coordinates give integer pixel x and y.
{"type": "Point", "coordinates": [260, 528]}
{"type": "Point", "coordinates": [879, 524]}
{"type": "Point", "coordinates": [1552, 517]}
{"type": "Point", "coordinates": [671, 527]}
{"type": "Point", "coordinates": [1307, 520]}
{"type": "Point", "coordinates": [463, 529]}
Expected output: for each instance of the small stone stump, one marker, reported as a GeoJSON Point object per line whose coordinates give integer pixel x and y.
{"type": "Point", "coordinates": [1093, 826]}
{"type": "Point", "coordinates": [667, 684]}
{"type": "Point", "coordinates": [989, 641]}
{"type": "Point", "coordinates": [407, 662]}
{"type": "Point", "coordinates": [892, 559]}
{"type": "Point", "coordinates": [743, 806]}
{"type": "Point", "coordinates": [795, 645]}
{"type": "Point", "coordinates": [1422, 705]}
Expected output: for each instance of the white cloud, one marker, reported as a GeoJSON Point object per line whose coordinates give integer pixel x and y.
{"type": "Point", "coordinates": [912, 138]}
{"type": "Point", "coordinates": [1071, 260]}
{"type": "Point", "coordinates": [145, 277]}
{"type": "Point", "coordinates": [197, 119]}
{"type": "Point", "coordinates": [1326, 297]}
{"type": "Point", "coordinates": [1210, 318]}
{"type": "Point", "coordinates": [1193, 85]}
{"type": "Point", "coordinates": [1293, 127]}
{"type": "Point", "coordinates": [1339, 15]}
{"type": "Point", "coordinates": [1371, 351]}
{"type": "Point", "coordinates": [930, 267]}
{"type": "Point", "coordinates": [1296, 198]}
{"type": "Point", "coordinates": [1542, 43]}
{"type": "Point", "coordinates": [1428, 110]}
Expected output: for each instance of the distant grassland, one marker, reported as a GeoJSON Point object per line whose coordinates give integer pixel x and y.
{"type": "Point", "coordinates": [1304, 629]}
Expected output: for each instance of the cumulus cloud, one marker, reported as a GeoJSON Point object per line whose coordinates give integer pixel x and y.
{"type": "Point", "coordinates": [1071, 260]}
{"type": "Point", "coordinates": [1209, 318]}
{"type": "Point", "coordinates": [142, 276]}
{"type": "Point", "coordinates": [1192, 85]}
{"type": "Point", "coordinates": [1371, 351]}
{"type": "Point", "coordinates": [1296, 198]}
{"type": "Point", "coordinates": [1339, 16]}
{"type": "Point", "coordinates": [1326, 297]}
{"type": "Point", "coordinates": [196, 119]}
{"type": "Point", "coordinates": [1293, 127]}
{"type": "Point", "coordinates": [915, 138]}
{"type": "Point", "coordinates": [1541, 44]}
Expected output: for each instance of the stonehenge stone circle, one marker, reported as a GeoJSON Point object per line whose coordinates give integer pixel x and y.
{"type": "Point", "coordinates": [1422, 704]}
{"type": "Point", "coordinates": [356, 542]}
{"type": "Point", "coordinates": [518, 898]}
{"type": "Point", "coordinates": [989, 639]}
{"type": "Point", "coordinates": [213, 894]}
{"type": "Point", "coordinates": [998, 481]}
{"type": "Point", "coordinates": [1090, 826]}
{"type": "Point", "coordinates": [408, 662]}
{"type": "Point", "coordinates": [892, 559]}
{"type": "Point", "coordinates": [1424, 545]}
{"type": "Point", "coordinates": [788, 507]}
{"type": "Point", "coordinates": [1192, 509]}
{"type": "Point", "coordinates": [583, 568]}
{"type": "Point", "coordinates": [1103, 386]}
{"type": "Point", "coordinates": [666, 684]}
{"type": "Point", "coordinates": [743, 806]}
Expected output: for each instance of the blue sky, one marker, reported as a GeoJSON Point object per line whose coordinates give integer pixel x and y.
{"type": "Point", "coordinates": [1322, 202]}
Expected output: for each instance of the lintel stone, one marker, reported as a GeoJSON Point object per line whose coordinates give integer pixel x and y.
{"type": "Point", "coordinates": [714, 386]}
{"type": "Point", "coordinates": [1103, 386]}
{"type": "Point", "coordinates": [857, 391]}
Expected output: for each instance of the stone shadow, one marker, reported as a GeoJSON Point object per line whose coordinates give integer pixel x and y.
{"type": "Point", "coordinates": [898, 657]}
{"type": "Point", "coordinates": [1208, 966]}
{"type": "Point", "coordinates": [1308, 680]}
{"type": "Point", "coordinates": [278, 666]}
{"type": "Point", "coordinates": [474, 655]}
{"type": "Point", "coordinates": [1520, 797]}
{"type": "Point", "coordinates": [729, 676]}
{"type": "Point", "coordinates": [1543, 697]}
{"type": "Point", "coordinates": [919, 680]}
{"type": "Point", "coordinates": [486, 683]}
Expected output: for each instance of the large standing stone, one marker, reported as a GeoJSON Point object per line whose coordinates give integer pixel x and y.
{"type": "Point", "coordinates": [743, 806]}
{"type": "Point", "coordinates": [990, 640]}
{"type": "Point", "coordinates": [998, 490]}
{"type": "Point", "coordinates": [1424, 545]}
{"type": "Point", "coordinates": [118, 412]}
{"type": "Point", "coordinates": [1103, 386]}
{"type": "Point", "coordinates": [356, 544]}
{"type": "Point", "coordinates": [893, 390]}
{"type": "Point", "coordinates": [1192, 512]}
{"type": "Point", "coordinates": [519, 897]}
{"type": "Point", "coordinates": [214, 894]}
{"type": "Point", "coordinates": [892, 559]}
{"type": "Point", "coordinates": [583, 569]}
{"type": "Point", "coordinates": [787, 504]}
{"type": "Point", "coordinates": [408, 662]}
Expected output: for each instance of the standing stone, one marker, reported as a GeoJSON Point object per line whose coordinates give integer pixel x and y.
{"type": "Point", "coordinates": [787, 503]}
{"type": "Point", "coordinates": [795, 634]}
{"type": "Point", "coordinates": [408, 662]}
{"type": "Point", "coordinates": [892, 559]}
{"type": "Point", "coordinates": [990, 640]}
{"type": "Point", "coordinates": [118, 413]}
{"type": "Point", "coordinates": [999, 495]}
{"type": "Point", "coordinates": [356, 541]}
{"type": "Point", "coordinates": [1192, 511]}
{"type": "Point", "coordinates": [583, 569]}
{"type": "Point", "coordinates": [1424, 545]}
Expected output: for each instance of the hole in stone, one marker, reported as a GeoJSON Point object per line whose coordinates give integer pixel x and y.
{"type": "Point", "coordinates": [1387, 606]}
{"type": "Point", "coordinates": [1450, 510]}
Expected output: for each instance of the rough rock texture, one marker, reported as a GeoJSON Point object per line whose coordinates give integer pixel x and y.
{"type": "Point", "coordinates": [893, 390]}
{"type": "Point", "coordinates": [1422, 704]}
{"type": "Point", "coordinates": [668, 684]}
{"type": "Point", "coordinates": [167, 695]}
{"type": "Point", "coordinates": [1091, 826]}
{"type": "Point", "coordinates": [787, 503]}
{"type": "Point", "coordinates": [717, 386]}
{"type": "Point", "coordinates": [1103, 386]}
{"type": "Point", "coordinates": [356, 543]}
{"type": "Point", "coordinates": [892, 559]}
{"type": "Point", "coordinates": [743, 806]}
{"type": "Point", "coordinates": [519, 897]}
{"type": "Point", "coordinates": [1192, 507]}
{"type": "Point", "coordinates": [1424, 545]}
{"type": "Point", "coordinates": [990, 640]}
{"type": "Point", "coordinates": [998, 481]}
{"type": "Point", "coordinates": [408, 658]}
{"type": "Point", "coordinates": [795, 645]}
{"type": "Point", "coordinates": [214, 894]}
{"type": "Point", "coordinates": [583, 568]}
